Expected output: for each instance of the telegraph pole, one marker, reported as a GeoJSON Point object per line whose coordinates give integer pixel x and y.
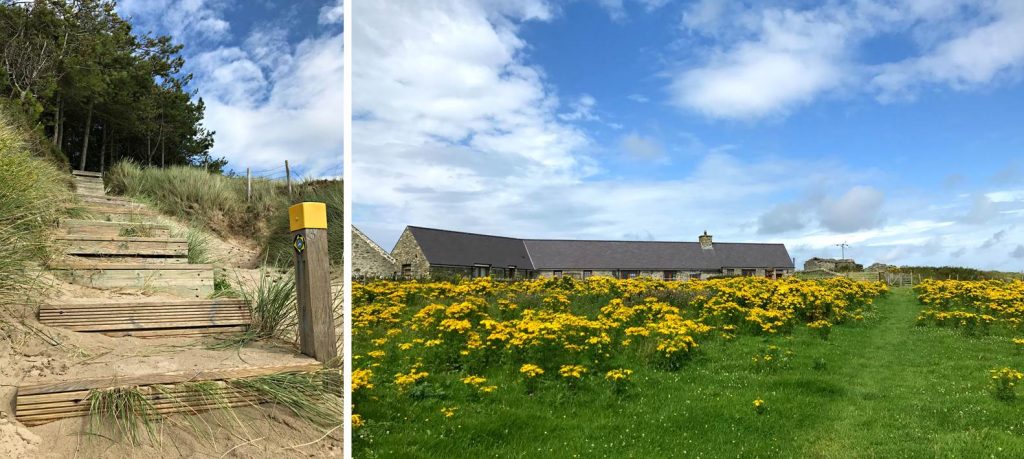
{"type": "Point", "coordinates": [843, 246]}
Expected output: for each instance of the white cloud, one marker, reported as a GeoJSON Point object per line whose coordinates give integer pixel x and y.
{"type": "Point", "coordinates": [976, 57]}
{"type": "Point", "coordinates": [859, 208]}
{"type": "Point", "coordinates": [296, 115]}
{"type": "Point", "coordinates": [638, 98]}
{"type": "Point", "coordinates": [766, 60]}
{"type": "Point", "coordinates": [982, 210]}
{"type": "Point", "coordinates": [1018, 252]}
{"type": "Point", "coordinates": [796, 57]}
{"type": "Point", "coordinates": [333, 13]}
{"type": "Point", "coordinates": [782, 218]}
{"type": "Point", "coordinates": [267, 100]}
{"type": "Point", "coordinates": [185, 20]}
{"type": "Point", "coordinates": [582, 110]}
{"type": "Point", "coordinates": [642, 147]}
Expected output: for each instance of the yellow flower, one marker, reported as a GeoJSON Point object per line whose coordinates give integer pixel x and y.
{"type": "Point", "coordinates": [357, 421]}
{"type": "Point", "coordinates": [408, 379]}
{"type": "Point", "coordinates": [620, 374]}
{"type": "Point", "coordinates": [448, 412]}
{"type": "Point", "coordinates": [361, 379]}
{"type": "Point", "coordinates": [531, 370]}
{"type": "Point", "coordinates": [572, 371]}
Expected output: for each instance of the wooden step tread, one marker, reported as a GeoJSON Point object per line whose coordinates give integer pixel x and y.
{"type": "Point", "coordinates": [87, 237]}
{"type": "Point", "coordinates": [147, 303]}
{"type": "Point", "coordinates": [86, 173]}
{"type": "Point", "coordinates": [45, 402]}
{"type": "Point", "coordinates": [163, 378]}
{"type": "Point", "coordinates": [139, 316]}
{"type": "Point", "coordinates": [80, 222]}
{"type": "Point", "coordinates": [128, 267]}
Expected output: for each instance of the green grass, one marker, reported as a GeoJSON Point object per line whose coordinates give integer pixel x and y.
{"type": "Point", "coordinates": [34, 193]}
{"type": "Point", "coordinates": [881, 388]}
{"type": "Point", "coordinates": [219, 203]}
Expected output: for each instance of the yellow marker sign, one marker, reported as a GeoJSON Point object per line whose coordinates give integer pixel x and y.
{"type": "Point", "coordinates": [306, 215]}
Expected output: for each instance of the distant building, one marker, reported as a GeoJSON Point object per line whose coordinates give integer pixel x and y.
{"type": "Point", "coordinates": [832, 264]}
{"type": "Point", "coordinates": [369, 259]}
{"type": "Point", "coordinates": [425, 252]}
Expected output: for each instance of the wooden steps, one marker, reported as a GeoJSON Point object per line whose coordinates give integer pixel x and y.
{"type": "Point", "coordinates": [168, 392]}
{"type": "Point", "coordinates": [184, 280]}
{"type": "Point", "coordinates": [150, 318]}
{"type": "Point", "coordinates": [119, 214]}
{"type": "Point", "coordinates": [104, 200]}
{"type": "Point", "coordinates": [125, 246]}
{"type": "Point", "coordinates": [114, 229]}
{"type": "Point", "coordinates": [78, 173]}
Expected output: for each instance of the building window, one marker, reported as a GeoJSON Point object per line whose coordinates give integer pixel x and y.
{"type": "Point", "coordinates": [556, 274]}
{"type": "Point", "coordinates": [407, 270]}
{"type": "Point", "coordinates": [481, 270]}
{"type": "Point", "coordinates": [669, 275]}
{"type": "Point", "coordinates": [511, 272]}
{"type": "Point", "coordinates": [748, 272]}
{"type": "Point", "coordinates": [587, 273]}
{"type": "Point", "coordinates": [694, 276]}
{"type": "Point", "coordinates": [628, 274]}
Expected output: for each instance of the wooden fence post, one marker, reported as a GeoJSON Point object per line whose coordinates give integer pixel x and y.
{"type": "Point", "coordinates": [288, 175]}
{"type": "Point", "coordinates": [308, 224]}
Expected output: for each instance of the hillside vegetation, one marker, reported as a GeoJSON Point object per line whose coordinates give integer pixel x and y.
{"type": "Point", "coordinates": [34, 193]}
{"type": "Point", "coordinates": [955, 272]}
{"type": "Point", "coordinates": [219, 203]}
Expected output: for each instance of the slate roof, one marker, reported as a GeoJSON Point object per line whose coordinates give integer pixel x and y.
{"type": "Point", "coordinates": [641, 255]}
{"type": "Point", "coordinates": [454, 248]}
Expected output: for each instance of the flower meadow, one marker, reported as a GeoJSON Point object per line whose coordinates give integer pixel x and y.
{"type": "Point", "coordinates": [978, 308]}
{"type": "Point", "coordinates": [465, 342]}
{"type": "Point", "coordinates": [975, 306]}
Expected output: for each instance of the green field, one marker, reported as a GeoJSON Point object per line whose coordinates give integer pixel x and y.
{"type": "Point", "coordinates": [880, 388]}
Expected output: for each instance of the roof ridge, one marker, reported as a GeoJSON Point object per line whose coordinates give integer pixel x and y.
{"type": "Point", "coordinates": [464, 232]}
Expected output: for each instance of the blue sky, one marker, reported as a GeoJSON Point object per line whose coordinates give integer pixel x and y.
{"type": "Point", "coordinates": [270, 73]}
{"type": "Point", "coordinates": [893, 125]}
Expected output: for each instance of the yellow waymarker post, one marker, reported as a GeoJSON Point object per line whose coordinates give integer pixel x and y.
{"type": "Point", "coordinates": [308, 224]}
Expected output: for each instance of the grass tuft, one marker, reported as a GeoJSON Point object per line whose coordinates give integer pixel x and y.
{"type": "Point", "coordinates": [126, 408]}
{"type": "Point", "coordinates": [314, 397]}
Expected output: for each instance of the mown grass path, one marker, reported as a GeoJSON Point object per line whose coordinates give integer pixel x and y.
{"type": "Point", "coordinates": [881, 388]}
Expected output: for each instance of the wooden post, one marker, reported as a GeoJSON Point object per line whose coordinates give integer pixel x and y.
{"type": "Point", "coordinates": [248, 185]}
{"type": "Point", "coordinates": [288, 174]}
{"type": "Point", "coordinates": [308, 224]}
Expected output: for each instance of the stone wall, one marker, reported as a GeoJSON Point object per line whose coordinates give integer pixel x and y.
{"type": "Point", "coordinates": [369, 259]}
{"type": "Point", "coordinates": [832, 264]}
{"type": "Point", "coordinates": [408, 252]}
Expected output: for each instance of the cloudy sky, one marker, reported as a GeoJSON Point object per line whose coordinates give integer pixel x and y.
{"type": "Point", "coordinates": [893, 125]}
{"type": "Point", "coordinates": [270, 73]}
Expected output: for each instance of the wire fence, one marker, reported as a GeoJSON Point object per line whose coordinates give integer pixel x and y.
{"type": "Point", "coordinates": [289, 174]}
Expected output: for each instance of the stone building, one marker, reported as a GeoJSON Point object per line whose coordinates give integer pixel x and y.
{"type": "Point", "coordinates": [832, 264]}
{"type": "Point", "coordinates": [426, 252]}
{"type": "Point", "coordinates": [369, 259]}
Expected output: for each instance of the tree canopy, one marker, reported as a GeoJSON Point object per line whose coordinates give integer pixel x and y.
{"type": "Point", "coordinates": [100, 92]}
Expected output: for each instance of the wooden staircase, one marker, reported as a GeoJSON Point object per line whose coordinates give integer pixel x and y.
{"type": "Point", "coordinates": [135, 255]}
{"type": "Point", "coordinates": [138, 253]}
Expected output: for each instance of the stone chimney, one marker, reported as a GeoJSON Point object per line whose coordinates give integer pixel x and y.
{"type": "Point", "coordinates": [705, 241]}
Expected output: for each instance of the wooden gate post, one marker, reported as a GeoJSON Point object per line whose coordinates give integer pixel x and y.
{"type": "Point", "coordinates": [308, 224]}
